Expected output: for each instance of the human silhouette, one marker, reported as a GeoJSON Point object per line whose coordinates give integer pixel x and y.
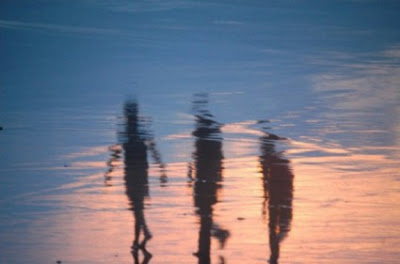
{"type": "Point", "coordinates": [278, 193]}
{"type": "Point", "coordinates": [208, 168]}
{"type": "Point", "coordinates": [136, 176]}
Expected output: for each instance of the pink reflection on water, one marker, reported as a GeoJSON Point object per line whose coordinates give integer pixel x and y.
{"type": "Point", "coordinates": [334, 210]}
{"type": "Point", "coordinates": [344, 207]}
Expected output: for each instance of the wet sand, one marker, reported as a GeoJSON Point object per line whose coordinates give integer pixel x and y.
{"type": "Point", "coordinates": [247, 133]}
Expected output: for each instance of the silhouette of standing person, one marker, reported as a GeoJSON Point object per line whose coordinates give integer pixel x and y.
{"type": "Point", "coordinates": [136, 176]}
{"type": "Point", "coordinates": [208, 158]}
{"type": "Point", "coordinates": [278, 192]}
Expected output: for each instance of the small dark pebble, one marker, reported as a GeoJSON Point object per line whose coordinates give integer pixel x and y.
{"type": "Point", "coordinates": [58, 261]}
{"type": "Point", "coordinates": [1, 128]}
{"type": "Point", "coordinates": [240, 218]}
{"type": "Point", "coordinates": [66, 165]}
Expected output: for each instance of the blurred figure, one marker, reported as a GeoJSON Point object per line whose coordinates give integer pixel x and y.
{"type": "Point", "coordinates": [207, 176]}
{"type": "Point", "coordinates": [278, 192]}
{"type": "Point", "coordinates": [136, 176]}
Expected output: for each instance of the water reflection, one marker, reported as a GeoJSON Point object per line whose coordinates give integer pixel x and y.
{"type": "Point", "coordinates": [208, 167]}
{"type": "Point", "coordinates": [136, 176]}
{"type": "Point", "coordinates": [115, 157]}
{"type": "Point", "coordinates": [278, 192]}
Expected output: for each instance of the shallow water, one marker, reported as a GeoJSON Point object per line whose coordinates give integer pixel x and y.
{"type": "Point", "coordinates": [199, 132]}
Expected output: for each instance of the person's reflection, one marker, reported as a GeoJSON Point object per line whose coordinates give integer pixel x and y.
{"type": "Point", "coordinates": [208, 175]}
{"type": "Point", "coordinates": [136, 176]}
{"type": "Point", "coordinates": [278, 192]}
{"type": "Point", "coordinates": [115, 157]}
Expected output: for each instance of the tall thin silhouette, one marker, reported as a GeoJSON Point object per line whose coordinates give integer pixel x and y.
{"type": "Point", "coordinates": [208, 167]}
{"type": "Point", "coordinates": [278, 192]}
{"type": "Point", "coordinates": [136, 176]}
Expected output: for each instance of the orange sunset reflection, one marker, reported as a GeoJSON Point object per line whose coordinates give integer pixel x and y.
{"type": "Point", "coordinates": [259, 200]}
